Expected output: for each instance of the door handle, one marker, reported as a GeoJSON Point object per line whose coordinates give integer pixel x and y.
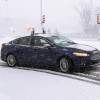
{"type": "Point", "coordinates": [35, 49]}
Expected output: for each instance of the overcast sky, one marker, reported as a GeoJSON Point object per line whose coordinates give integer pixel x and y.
{"type": "Point", "coordinates": [59, 13]}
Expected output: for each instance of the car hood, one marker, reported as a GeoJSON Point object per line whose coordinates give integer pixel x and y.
{"type": "Point", "coordinates": [82, 47]}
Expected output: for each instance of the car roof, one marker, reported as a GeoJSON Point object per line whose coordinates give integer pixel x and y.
{"type": "Point", "coordinates": [44, 35]}
{"type": "Point", "coordinates": [38, 35]}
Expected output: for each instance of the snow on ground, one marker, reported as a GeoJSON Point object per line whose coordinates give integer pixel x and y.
{"type": "Point", "coordinates": [18, 84]}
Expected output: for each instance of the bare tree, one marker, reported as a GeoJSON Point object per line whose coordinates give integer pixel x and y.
{"type": "Point", "coordinates": [85, 12]}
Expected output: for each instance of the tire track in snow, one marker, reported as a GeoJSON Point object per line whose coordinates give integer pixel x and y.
{"type": "Point", "coordinates": [88, 76]}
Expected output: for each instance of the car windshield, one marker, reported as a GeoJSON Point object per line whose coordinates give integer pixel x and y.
{"type": "Point", "coordinates": [60, 41]}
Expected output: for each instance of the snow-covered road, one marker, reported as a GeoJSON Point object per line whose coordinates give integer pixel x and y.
{"type": "Point", "coordinates": [19, 84]}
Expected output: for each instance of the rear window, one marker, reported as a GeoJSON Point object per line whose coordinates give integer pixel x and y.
{"type": "Point", "coordinates": [16, 41]}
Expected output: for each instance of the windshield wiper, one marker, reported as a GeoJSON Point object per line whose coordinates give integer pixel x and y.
{"type": "Point", "coordinates": [71, 42]}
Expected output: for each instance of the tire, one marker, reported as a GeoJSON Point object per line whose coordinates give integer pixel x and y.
{"type": "Point", "coordinates": [11, 60]}
{"type": "Point", "coordinates": [64, 65]}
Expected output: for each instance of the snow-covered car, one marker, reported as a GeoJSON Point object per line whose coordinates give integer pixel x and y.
{"type": "Point", "coordinates": [51, 51]}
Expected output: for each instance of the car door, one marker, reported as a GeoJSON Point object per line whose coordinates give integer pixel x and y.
{"type": "Point", "coordinates": [25, 52]}
{"type": "Point", "coordinates": [44, 55]}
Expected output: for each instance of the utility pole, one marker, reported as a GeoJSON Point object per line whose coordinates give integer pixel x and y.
{"type": "Point", "coordinates": [7, 15]}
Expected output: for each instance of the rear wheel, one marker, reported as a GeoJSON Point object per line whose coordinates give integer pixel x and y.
{"type": "Point", "coordinates": [64, 65]}
{"type": "Point", "coordinates": [11, 60]}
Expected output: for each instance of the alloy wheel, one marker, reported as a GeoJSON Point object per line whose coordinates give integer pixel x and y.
{"type": "Point", "coordinates": [11, 60]}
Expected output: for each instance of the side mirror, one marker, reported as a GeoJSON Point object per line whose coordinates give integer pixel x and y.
{"type": "Point", "coordinates": [46, 46]}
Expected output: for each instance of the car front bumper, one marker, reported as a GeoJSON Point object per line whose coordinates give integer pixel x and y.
{"type": "Point", "coordinates": [92, 60]}
{"type": "Point", "coordinates": [87, 63]}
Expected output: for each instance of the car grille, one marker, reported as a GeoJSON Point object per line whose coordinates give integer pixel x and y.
{"type": "Point", "coordinates": [95, 56]}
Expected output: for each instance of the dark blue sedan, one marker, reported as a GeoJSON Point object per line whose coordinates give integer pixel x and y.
{"type": "Point", "coordinates": [53, 51]}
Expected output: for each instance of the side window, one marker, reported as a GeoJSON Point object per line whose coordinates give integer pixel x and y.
{"type": "Point", "coordinates": [40, 42]}
{"type": "Point", "coordinates": [25, 41]}
{"type": "Point", "coordinates": [16, 41]}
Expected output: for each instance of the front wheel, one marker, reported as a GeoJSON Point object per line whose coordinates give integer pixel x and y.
{"type": "Point", "coordinates": [11, 60]}
{"type": "Point", "coordinates": [64, 65]}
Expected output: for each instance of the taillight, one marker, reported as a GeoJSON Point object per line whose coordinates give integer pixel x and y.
{"type": "Point", "coordinates": [2, 46]}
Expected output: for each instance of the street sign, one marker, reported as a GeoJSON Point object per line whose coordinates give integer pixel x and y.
{"type": "Point", "coordinates": [98, 19]}
{"type": "Point", "coordinates": [29, 28]}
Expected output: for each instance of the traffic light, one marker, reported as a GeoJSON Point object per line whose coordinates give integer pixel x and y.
{"type": "Point", "coordinates": [98, 19]}
{"type": "Point", "coordinates": [43, 19]}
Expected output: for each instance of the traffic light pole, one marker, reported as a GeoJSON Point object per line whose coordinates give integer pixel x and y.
{"type": "Point", "coordinates": [42, 17]}
{"type": "Point", "coordinates": [98, 22]}
{"type": "Point", "coordinates": [99, 33]}
{"type": "Point", "coordinates": [41, 13]}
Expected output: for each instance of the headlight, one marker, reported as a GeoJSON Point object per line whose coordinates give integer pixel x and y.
{"type": "Point", "coordinates": [80, 54]}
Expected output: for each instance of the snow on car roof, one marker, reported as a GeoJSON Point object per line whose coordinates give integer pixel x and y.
{"type": "Point", "coordinates": [44, 35]}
